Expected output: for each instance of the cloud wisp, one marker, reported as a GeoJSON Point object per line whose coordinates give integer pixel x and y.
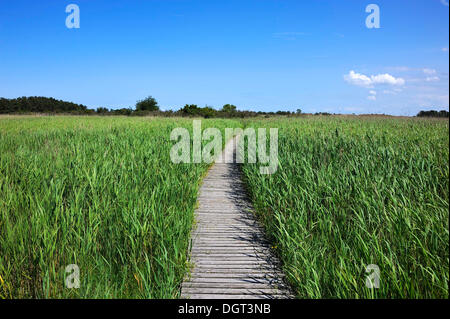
{"type": "Point", "coordinates": [363, 80]}
{"type": "Point", "coordinates": [288, 35]}
{"type": "Point", "coordinates": [429, 71]}
{"type": "Point", "coordinates": [431, 75]}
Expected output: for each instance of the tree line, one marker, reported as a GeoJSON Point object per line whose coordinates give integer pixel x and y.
{"type": "Point", "coordinates": [145, 107]}
{"type": "Point", "coordinates": [433, 113]}
{"type": "Point", "coordinates": [35, 104]}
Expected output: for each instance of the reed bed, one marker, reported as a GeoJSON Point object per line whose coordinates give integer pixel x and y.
{"type": "Point", "coordinates": [102, 193]}
{"type": "Point", "coordinates": [98, 192]}
{"type": "Point", "coordinates": [355, 191]}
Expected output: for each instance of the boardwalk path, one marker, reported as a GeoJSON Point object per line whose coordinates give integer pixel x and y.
{"type": "Point", "coordinates": [231, 257]}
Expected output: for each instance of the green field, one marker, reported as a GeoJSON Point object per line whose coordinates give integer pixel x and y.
{"type": "Point", "coordinates": [353, 192]}
{"type": "Point", "coordinates": [102, 193]}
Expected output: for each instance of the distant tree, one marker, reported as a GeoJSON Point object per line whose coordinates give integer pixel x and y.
{"type": "Point", "coordinates": [102, 110]}
{"type": "Point", "coordinates": [190, 109]}
{"type": "Point", "coordinates": [322, 113]}
{"type": "Point", "coordinates": [433, 113]}
{"type": "Point", "coordinates": [208, 112]}
{"type": "Point", "coordinates": [283, 113]}
{"type": "Point", "coordinates": [229, 108]}
{"type": "Point", "coordinates": [148, 104]}
{"type": "Point", "coordinates": [194, 110]}
{"type": "Point", "coordinates": [122, 111]}
{"type": "Point", "coordinates": [40, 104]}
{"type": "Point", "coordinates": [299, 111]}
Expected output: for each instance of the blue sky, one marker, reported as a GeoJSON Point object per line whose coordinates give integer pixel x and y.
{"type": "Point", "coordinates": [266, 55]}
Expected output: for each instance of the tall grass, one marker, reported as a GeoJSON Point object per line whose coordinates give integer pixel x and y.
{"type": "Point", "coordinates": [354, 192]}
{"type": "Point", "coordinates": [101, 193]}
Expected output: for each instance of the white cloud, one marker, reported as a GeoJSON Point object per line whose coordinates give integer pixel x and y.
{"type": "Point", "coordinates": [373, 95]}
{"type": "Point", "coordinates": [444, 49]}
{"type": "Point", "coordinates": [429, 71]}
{"type": "Point", "coordinates": [394, 91]}
{"type": "Point", "coordinates": [444, 2]}
{"type": "Point", "coordinates": [358, 79]}
{"type": "Point", "coordinates": [369, 82]}
{"type": "Point", "coordinates": [433, 99]}
{"type": "Point", "coordinates": [387, 79]}
{"type": "Point", "coordinates": [432, 79]}
{"type": "Point", "coordinates": [431, 75]}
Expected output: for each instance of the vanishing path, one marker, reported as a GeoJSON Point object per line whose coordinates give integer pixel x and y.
{"type": "Point", "coordinates": [230, 256]}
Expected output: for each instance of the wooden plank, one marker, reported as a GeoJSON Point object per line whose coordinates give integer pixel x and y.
{"type": "Point", "coordinates": [230, 255]}
{"type": "Point", "coordinates": [230, 241]}
{"type": "Point", "coordinates": [236, 246]}
{"type": "Point", "coordinates": [198, 259]}
{"type": "Point", "coordinates": [234, 285]}
{"type": "Point", "coordinates": [243, 279]}
{"type": "Point", "coordinates": [222, 228]}
{"type": "Point", "coordinates": [221, 248]}
{"type": "Point", "coordinates": [232, 234]}
{"type": "Point", "coordinates": [248, 276]}
{"type": "Point", "coordinates": [237, 291]}
{"type": "Point", "coordinates": [235, 271]}
{"type": "Point", "coordinates": [224, 296]}
{"type": "Point", "coordinates": [235, 268]}
{"type": "Point", "coordinates": [230, 229]}
{"type": "Point", "coordinates": [247, 263]}
{"type": "Point", "coordinates": [210, 252]}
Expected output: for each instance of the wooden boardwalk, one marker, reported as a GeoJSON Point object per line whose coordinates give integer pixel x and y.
{"type": "Point", "coordinates": [231, 258]}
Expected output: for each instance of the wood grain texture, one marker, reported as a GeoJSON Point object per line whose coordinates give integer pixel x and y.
{"type": "Point", "coordinates": [230, 255]}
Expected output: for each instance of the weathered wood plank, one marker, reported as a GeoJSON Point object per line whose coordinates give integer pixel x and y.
{"type": "Point", "coordinates": [254, 274]}
{"type": "Point", "coordinates": [234, 284]}
{"type": "Point", "coordinates": [230, 255]}
{"type": "Point", "coordinates": [243, 279]}
{"type": "Point", "coordinates": [238, 291]}
{"type": "Point", "coordinates": [237, 245]}
{"type": "Point", "coordinates": [224, 296]}
{"type": "Point", "coordinates": [208, 249]}
{"type": "Point", "coordinates": [197, 259]}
